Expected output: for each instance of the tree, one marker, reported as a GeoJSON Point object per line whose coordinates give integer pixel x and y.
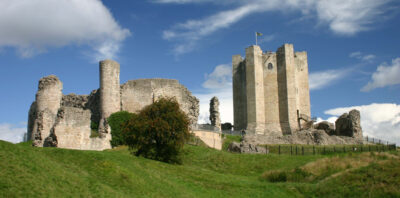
{"type": "Point", "coordinates": [117, 121]}
{"type": "Point", "coordinates": [159, 131]}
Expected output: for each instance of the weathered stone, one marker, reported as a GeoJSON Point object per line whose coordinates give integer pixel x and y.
{"type": "Point", "coordinates": [328, 127]}
{"type": "Point", "coordinates": [234, 147]}
{"type": "Point", "coordinates": [73, 100]}
{"type": "Point", "coordinates": [349, 124]}
{"type": "Point", "coordinates": [73, 131]}
{"type": "Point", "coordinates": [270, 91]}
{"type": "Point", "coordinates": [309, 137]}
{"type": "Point", "coordinates": [57, 120]}
{"type": "Point", "coordinates": [214, 113]}
{"type": "Point", "coordinates": [136, 94]}
{"type": "Point", "coordinates": [243, 147]}
{"type": "Point", "coordinates": [252, 148]}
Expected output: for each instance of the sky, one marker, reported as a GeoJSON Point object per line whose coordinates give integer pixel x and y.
{"type": "Point", "coordinates": [353, 51]}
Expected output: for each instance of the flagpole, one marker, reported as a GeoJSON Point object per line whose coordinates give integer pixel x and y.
{"type": "Point", "coordinates": [256, 38]}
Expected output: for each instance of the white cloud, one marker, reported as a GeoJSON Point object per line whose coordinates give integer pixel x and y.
{"type": "Point", "coordinates": [220, 78]}
{"type": "Point", "coordinates": [344, 17]}
{"type": "Point", "coordinates": [218, 83]}
{"type": "Point", "coordinates": [12, 133]}
{"type": "Point", "coordinates": [34, 26]}
{"type": "Point", "coordinates": [385, 75]}
{"type": "Point", "coordinates": [349, 17]}
{"type": "Point", "coordinates": [363, 57]}
{"type": "Point", "coordinates": [330, 119]}
{"type": "Point", "coordinates": [266, 38]}
{"type": "Point", "coordinates": [322, 79]}
{"type": "Point", "coordinates": [377, 120]}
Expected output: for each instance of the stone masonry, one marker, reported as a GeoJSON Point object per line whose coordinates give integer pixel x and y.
{"type": "Point", "coordinates": [214, 113]}
{"type": "Point", "coordinates": [270, 91]}
{"type": "Point", "coordinates": [65, 121]}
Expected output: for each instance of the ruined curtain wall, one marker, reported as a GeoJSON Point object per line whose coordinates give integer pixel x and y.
{"type": "Point", "coordinates": [136, 94]}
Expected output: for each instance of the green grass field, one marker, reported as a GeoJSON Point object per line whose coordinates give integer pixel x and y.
{"type": "Point", "coordinates": [27, 171]}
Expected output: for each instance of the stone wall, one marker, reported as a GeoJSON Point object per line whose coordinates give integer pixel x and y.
{"type": "Point", "coordinates": [136, 94]}
{"type": "Point", "coordinates": [239, 92]}
{"type": "Point", "coordinates": [73, 130]}
{"type": "Point", "coordinates": [255, 90]}
{"type": "Point", "coordinates": [270, 68]}
{"type": "Point", "coordinates": [303, 89]}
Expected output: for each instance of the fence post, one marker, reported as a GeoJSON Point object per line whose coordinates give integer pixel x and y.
{"type": "Point", "coordinates": [334, 149]}
{"type": "Point", "coordinates": [279, 149]}
{"type": "Point", "coordinates": [296, 149]}
{"type": "Point", "coordinates": [302, 149]}
{"type": "Point", "coordinates": [291, 149]}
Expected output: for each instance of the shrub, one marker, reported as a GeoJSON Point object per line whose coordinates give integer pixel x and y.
{"type": "Point", "coordinates": [117, 121]}
{"type": "Point", "coordinates": [159, 132]}
{"type": "Point", "coordinates": [94, 132]}
{"type": "Point", "coordinates": [276, 176]}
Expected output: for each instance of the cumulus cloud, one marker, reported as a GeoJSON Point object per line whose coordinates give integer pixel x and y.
{"type": "Point", "coordinates": [322, 79]}
{"type": "Point", "coordinates": [385, 75]}
{"type": "Point", "coordinates": [217, 83]}
{"type": "Point", "coordinates": [344, 17]}
{"type": "Point", "coordinates": [363, 57]}
{"type": "Point", "coordinates": [34, 26]}
{"type": "Point", "coordinates": [12, 133]}
{"type": "Point", "coordinates": [220, 78]}
{"type": "Point", "coordinates": [377, 120]}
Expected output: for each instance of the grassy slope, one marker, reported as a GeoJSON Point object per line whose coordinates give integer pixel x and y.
{"type": "Point", "coordinates": [50, 172]}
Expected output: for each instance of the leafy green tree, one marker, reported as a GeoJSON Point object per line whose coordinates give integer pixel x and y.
{"type": "Point", "coordinates": [117, 121]}
{"type": "Point", "coordinates": [159, 131]}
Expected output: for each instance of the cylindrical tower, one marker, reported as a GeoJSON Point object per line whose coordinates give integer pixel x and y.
{"type": "Point", "coordinates": [110, 101]}
{"type": "Point", "coordinates": [49, 94]}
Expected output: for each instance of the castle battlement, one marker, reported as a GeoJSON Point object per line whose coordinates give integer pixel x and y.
{"type": "Point", "coordinates": [270, 90]}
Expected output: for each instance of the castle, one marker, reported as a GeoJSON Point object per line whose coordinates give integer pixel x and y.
{"type": "Point", "coordinates": [271, 91]}
{"type": "Point", "coordinates": [66, 121]}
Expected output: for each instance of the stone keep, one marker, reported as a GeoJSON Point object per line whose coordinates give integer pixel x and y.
{"type": "Point", "coordinates": [270, 90]}
{"type": "Point", "coordinates": [57, 120]}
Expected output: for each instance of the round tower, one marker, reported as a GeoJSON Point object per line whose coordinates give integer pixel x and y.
{"type": "Point", "coordinates": [110, 99]}
{"type": "Point", "coordinates": [49, 94]}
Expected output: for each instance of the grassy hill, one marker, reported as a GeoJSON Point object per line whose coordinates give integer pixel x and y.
{"type": "Point", "coordinates": [27, 171]}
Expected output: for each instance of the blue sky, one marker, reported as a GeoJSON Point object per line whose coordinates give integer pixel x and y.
{"type": "Point", "coordinates": [353, 50]}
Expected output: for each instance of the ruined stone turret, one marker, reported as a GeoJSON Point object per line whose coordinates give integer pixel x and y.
{"type": "Point", "coordinates": [110, 96]}
{"type": "Point", "coordinates": [214, 113]}
{"type": "Point", "coordinates": [43, 112]}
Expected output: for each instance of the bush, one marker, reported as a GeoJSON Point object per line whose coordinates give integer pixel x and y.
{"type": "Point", "coordinates": [159, 131]}
{"type": "Point", "coordinates": [117, 121]}
{"type": "Point", "coordinates": [94, 132]}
